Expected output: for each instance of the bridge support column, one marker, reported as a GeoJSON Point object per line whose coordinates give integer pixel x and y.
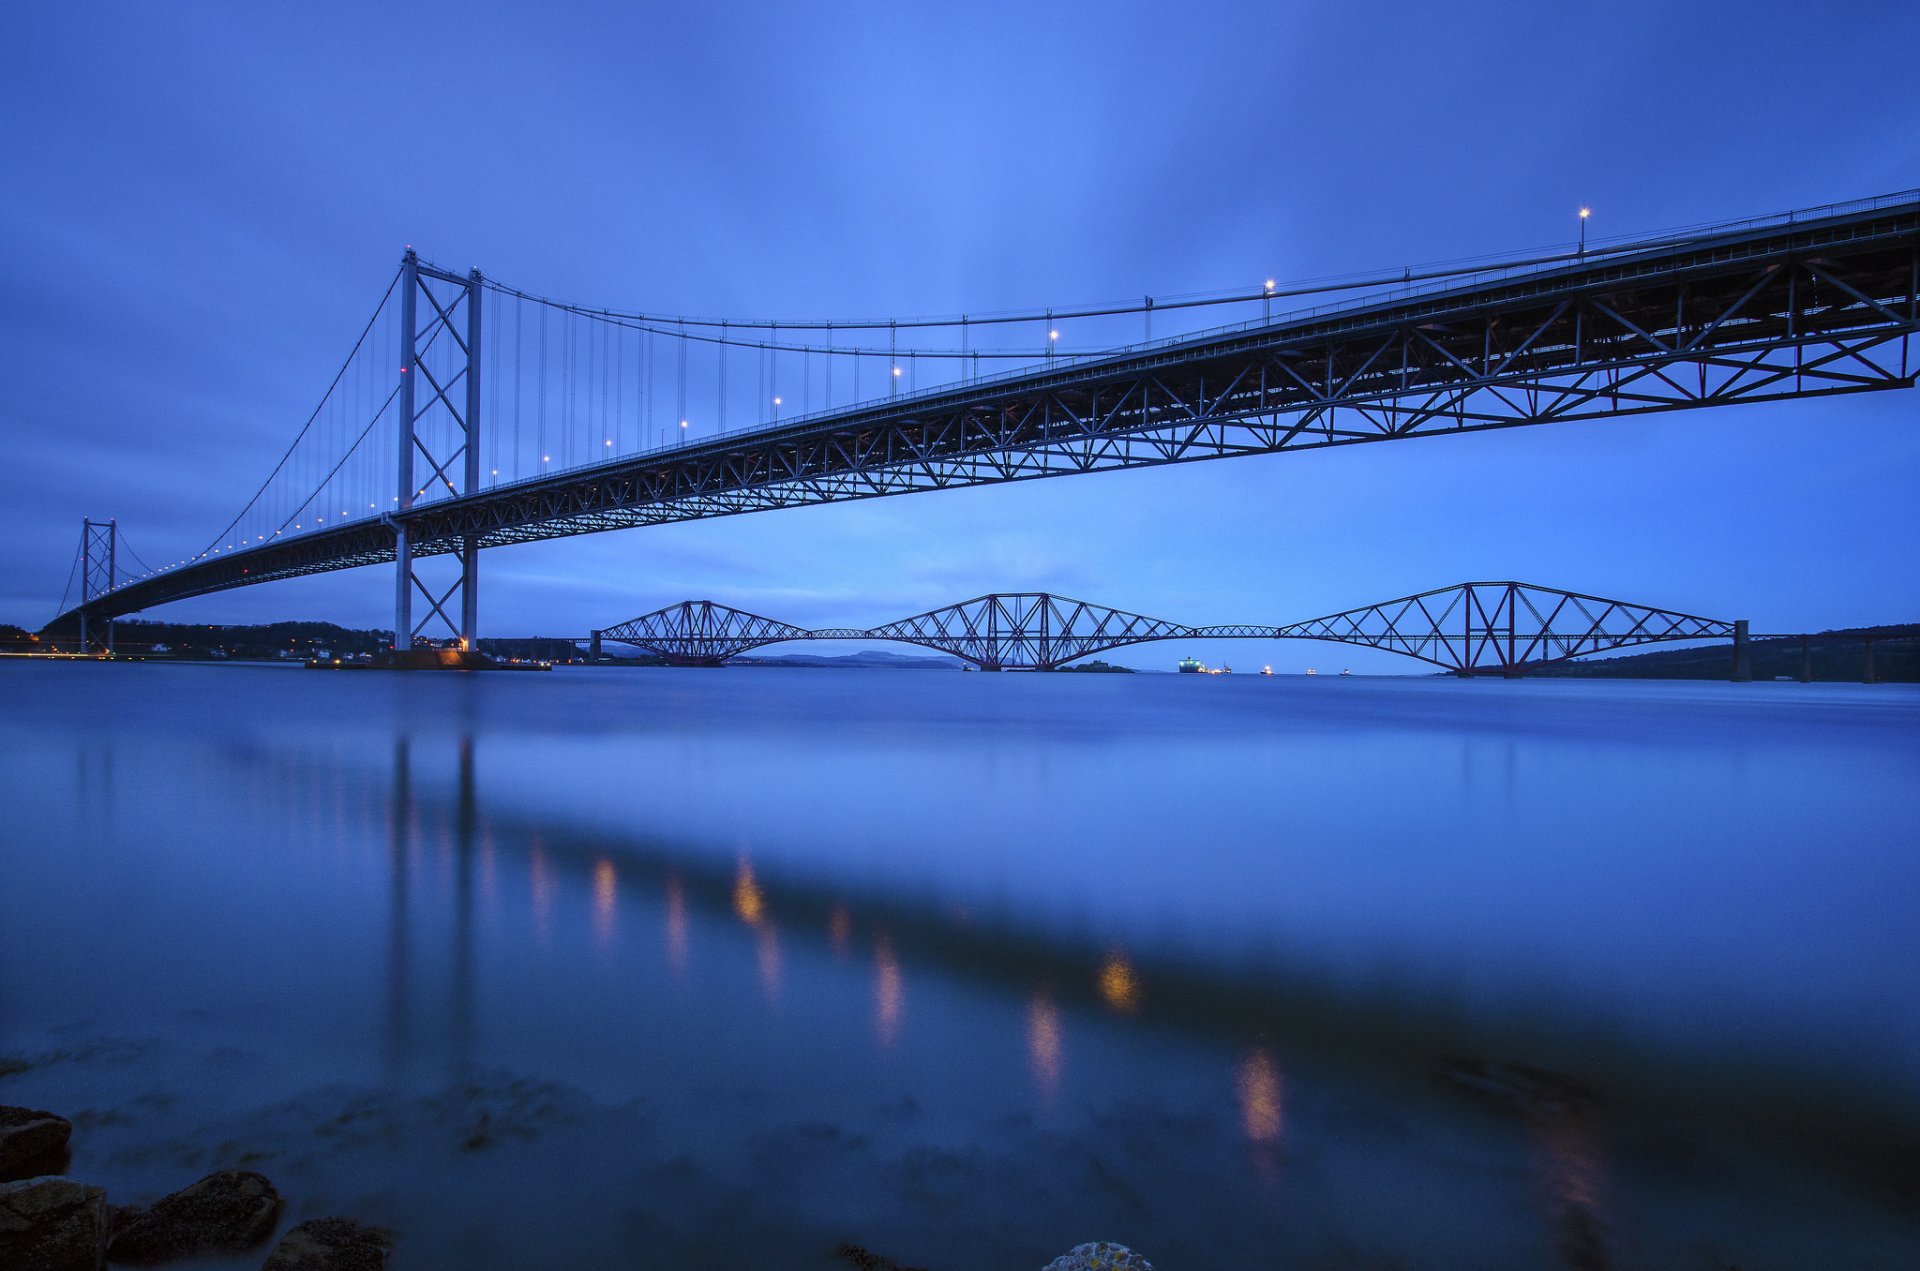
{"type": "Point", "coordinates": [593, 647]}
{"type": "Point", "coordinates": [99, 568]}
{"type": "Point", "coordinates": [440, 422]}
{"type": "Point", "coordinates": [1742, 660]}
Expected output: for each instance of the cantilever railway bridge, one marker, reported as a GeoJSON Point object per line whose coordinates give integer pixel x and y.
{"type": "Point", "coordinates": [1472, 629]}
{"type": "Point", "coordinates": [440, 439]}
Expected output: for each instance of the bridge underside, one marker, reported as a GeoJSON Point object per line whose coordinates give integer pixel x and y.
{"type": "Point", "coordinates": [1820, 307]}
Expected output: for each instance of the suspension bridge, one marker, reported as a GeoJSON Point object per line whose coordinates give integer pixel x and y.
{"type": "Point", "coordinates": [470, 414]}
{"type": "Point", "coordinates": [1476, 628]}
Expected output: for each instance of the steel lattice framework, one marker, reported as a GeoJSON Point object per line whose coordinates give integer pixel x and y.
{"type": "Point", "coordinates": [1025, 630]}
{"type": "Point", "coordinates": [701, 633]}
{"type": "Point", "coordinates": [1795, 306]}
{"type": "Point", "coordinates": [1504, 627]}
{"type": "Point", "coordinates": [1470, 628]}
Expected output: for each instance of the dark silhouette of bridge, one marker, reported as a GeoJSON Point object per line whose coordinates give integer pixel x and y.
{"type": "Point", "coordinates": [1477, 628]}
{"type": "Point", "coordinates": [1797, 305]}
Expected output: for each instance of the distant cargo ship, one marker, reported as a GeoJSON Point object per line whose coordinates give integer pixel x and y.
{"type": "Point", "coordinates": [1194, 666]}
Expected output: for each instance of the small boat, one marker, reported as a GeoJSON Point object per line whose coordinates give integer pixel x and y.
{"type": "Point", "coordinates": [1344, 671]}
{"type": "Point", "coordinates": [1266, 670]}
{"type": "Point", "coordinates": [1311, 671]}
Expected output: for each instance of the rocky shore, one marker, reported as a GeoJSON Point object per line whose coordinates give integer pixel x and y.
{"type": "Point", "coordinates": [50, 1222]}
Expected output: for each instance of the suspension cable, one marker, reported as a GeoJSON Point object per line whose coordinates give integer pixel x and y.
{"type": "Point", "coordinates": [1398, 278]}
{"type": "Point", "coordinates": [316, 414]}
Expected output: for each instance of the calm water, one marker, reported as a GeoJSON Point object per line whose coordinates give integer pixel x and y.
{"type": "Point", "coordinates": [697, 968]}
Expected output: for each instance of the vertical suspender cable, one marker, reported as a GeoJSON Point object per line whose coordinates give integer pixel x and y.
{"type": "Point", "coordinates": [541, 464]}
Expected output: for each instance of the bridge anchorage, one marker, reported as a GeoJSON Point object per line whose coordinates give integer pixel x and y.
{"type": "Point", "coordinates": [1477, 628]}
{"type": "Point", "coordinates": [564, 438]}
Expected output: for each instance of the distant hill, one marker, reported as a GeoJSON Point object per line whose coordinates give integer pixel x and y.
{"type": "Point", "coordinates": [1837, 655]}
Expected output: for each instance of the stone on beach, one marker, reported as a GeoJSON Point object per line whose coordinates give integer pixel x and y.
{"type": "Point", "coordinates": [228, 1212]}
{"type": "Point", "coordinates": [52, 1224]}
{"type": "Point", "coordinates": [1100, 1255]}
{"type": "Point", "coordinates": [29, 1137]}
{"type": "Point", "coordinates": [331, 1244]}
{"type": "Point", "coordinates": [867, 1260]}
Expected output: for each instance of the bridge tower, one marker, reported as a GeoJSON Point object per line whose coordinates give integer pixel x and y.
{"type": "Point", "coordinates": [99, 565]}
{"type": "Point", "coordinates": [440, 424]}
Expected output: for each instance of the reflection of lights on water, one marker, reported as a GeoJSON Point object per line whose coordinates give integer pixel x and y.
{"type": "Point", "coordinates": [606, 885]}
{"type": "Point", "coordinates": [676, 925]}
{"type": "Point", "coordinates": [540, 891]}
{"type": "Point", "coordinates": [1259, 1083]}
{"type": "Point", "coordinates": [747, 900]}
{"type": "Point", "coordinates": [1043, 1041]}
{"type": "Point", "coordinates": [1573, 1163]}
{"type": "Point", "coordinates": [1118, 985]}
{"type": "Point", "coordinates": [889, 992]}
{"type": "Point", "coordinates": [489, 884]}
{"type": "Point", "coordinates": [767, 954]}
{"type": "Point", "coordinates": [839, 928]}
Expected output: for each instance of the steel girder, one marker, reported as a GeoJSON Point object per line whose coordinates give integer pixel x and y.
{"type": "Point", "coordinates": [700, 632]}
{"type": "Point", "coordinates": [1030, 631]}
{"type": "Point", "coordinates": [1477, 627]}
{"type": "Point", "coordinates": [1815, 307]}
{"type": "Point", "coordinates": [1503, 626]}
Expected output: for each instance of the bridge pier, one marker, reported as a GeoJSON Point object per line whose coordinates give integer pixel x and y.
{"type": "Point", "coordinates": [1742, 659]}
{"type": "Point", "coordinates": [593, 646]}
{"type": "Point", "coordinates": [430, 418]}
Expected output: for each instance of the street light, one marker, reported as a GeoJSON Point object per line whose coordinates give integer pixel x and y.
{"type": "Point", "coordinates": [1585, 212]}
{"type": "Point", "coordinates": [1266, 303]}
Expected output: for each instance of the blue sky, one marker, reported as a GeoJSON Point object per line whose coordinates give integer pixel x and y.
{"type": "Point", "coordinates": [201, 202]}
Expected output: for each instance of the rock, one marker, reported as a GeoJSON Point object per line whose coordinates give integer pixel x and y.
{"type": "Point", "coordinates": [228, 1212]}
{"type": "Point", "coordinates": [1101, 1255]}
{"type": "Point", "coordinates": [867, 1260]}
{"type": "Point", "coordinates": [52, 1224]}
{"type": "Point", "coordinates": [29, 1139]}
{"type": "Point", "coordinates": [1521, 1089]}
{"type": "Point", "coordinates": [331, 1244]}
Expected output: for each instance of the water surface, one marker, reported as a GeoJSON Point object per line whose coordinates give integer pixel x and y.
{"type": "Point", "coordinates": [696, 968]}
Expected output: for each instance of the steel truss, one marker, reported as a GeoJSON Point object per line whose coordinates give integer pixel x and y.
{"type": "Point", "coordinates": [1024, 630]}
{"type": "Point", "coordinates": [1820, 306]}
{"type": "Point", "coordinates": [439, 425]}
{"type": "Point", "coordinates": [1503, 627]}
{"type": "Point", "coordinates": [99, 568]}
{"type": "Point", "coordinates": [700, 632]}
{"type": "Point", "coordinates": [1470, 628]}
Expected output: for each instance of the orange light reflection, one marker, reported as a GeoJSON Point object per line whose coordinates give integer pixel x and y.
{"type": "Point", "coordinates": [1118, 985]}
{"type": "Point", "coordinates": [540, 890]}
{"type": "Point", "coordinates": [747, 899]}
{"type": "Point", "coordinates": [1259, 1083]}
{"type": "Point", "coordinates": [889, 992]}
{"type": "Point", "coordinates": [1043, 1042]}
{"type": "Point", "coordinates": [676, 926]}
{"type": "Point", "coordinates": [606, 884]}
